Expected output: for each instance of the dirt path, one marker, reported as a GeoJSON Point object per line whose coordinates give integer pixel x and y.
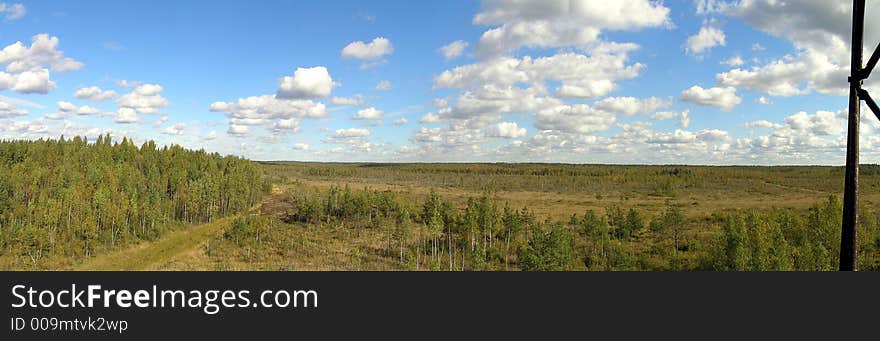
{"type": "Point", "coordinates": [153, 255]}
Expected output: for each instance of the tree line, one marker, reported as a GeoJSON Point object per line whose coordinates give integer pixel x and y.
{"type": "Point", "coordinates": [72, 198]}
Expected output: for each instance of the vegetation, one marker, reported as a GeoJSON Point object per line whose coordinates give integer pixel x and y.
{"type": "Point", "coordinates": [382, 233]}
{"type": "Point", "coordinates": [69, 199]}
{"type": "Point", "coordinates": [72, 204]}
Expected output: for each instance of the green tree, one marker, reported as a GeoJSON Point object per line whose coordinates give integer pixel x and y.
{"type": "Point", "coordinates": [550, 251]}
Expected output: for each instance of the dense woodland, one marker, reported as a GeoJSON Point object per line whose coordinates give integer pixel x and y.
{"type": "Point", "coordinates": [72, 199]}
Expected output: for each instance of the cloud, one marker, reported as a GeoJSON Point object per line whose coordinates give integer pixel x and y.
{"type": "Point", "coordinates": [578, 75]}
{"type": "Point", "coordinates": [355, 138]}
{"type": "Point", "coordinates": [23, 129]}
{"type": "Point", "coordinates": [350, 133]}
{"type": "Point", "coordinates": [560, 23]}
{"type": "Point", "coordinates": [705, 7]}
{"type": "Point", "coordinates": [687, 137]}
{"type": "Point", "coordinates": [8, 110]}
{"type": "Point", "coordinates": [42, 53]}
{"type": "Point", "coordinates": [707, 38]}
{"type": "Point", "coordinates": [90, 133]}
{"type": "Point", "coordinates": [375, 49]}
{"type": "Point", "coordinates": [21, 102]}
{"type": "Point", "coordinates": [126, 116]}
{"type": "Point", "coordinates": [724, 98]}
{"type": "Point", "coordinates": [778, 78]}
{"type": "Point", "coordinates": [555, 146]}
{"type": "Point", "coordinates": [283, 111]}
{"type": "Point", "coordinates": [581, 119]}
{"type": "Point", "coordinates": [763, 124]}
{"type": "Point", "coordinates": [306, 83]}
{"type": "Point", "coordinates": [400, 121]}
{"type": "Point", "coordinates": [384, 85]}
{"type": "Point", "coordinates": [454, 49]}
{"type": "Point", "coordinates": [480, 106]}
{"type": "Point", "coordinates": [66, 109]}
{"type": "Point", "coordinates": [683, 117]}
{"type": "Point", "coordinates": [12, 11]}
{"type": "Point", "coordinates": [238, 130]}
{"type": "Point", "coordinates": [27, 82]}
{"type": "Point", "coordinates": [126, 83]}
{"type": "Point", "coordinates": [267, 110]}
{"type": "Point", "coordinates": [300, 146]}
{"type": "Point", "coordinates": [95, 94]}
{"type": "Point", "coordinates": [354, 101]}
{"type": "Point", "coordinates": [145, 99]}
{"type": "Point", "coordinates": [457, 136]}
{"type": "Point", "coordinates": [430, 118]}
{"type": "Point", "coordinates": [211, 136]}
{"type": "Point", "coordinates": [802, 136]}
{"type": "Point", "coordinates": [822, 123]}
{"type": "Point", "coordinates": [820, 32]}
{"type": "Point", "coordinates": [368, 114]}
{"type": "Point", "coordinates": [508, 130]}
{"type": "Point", "coordinates": [734, 61]}
{"type": "Point", "coordinates": [176, 129]}
{"type": "Point", "coordinates": [629, 106]}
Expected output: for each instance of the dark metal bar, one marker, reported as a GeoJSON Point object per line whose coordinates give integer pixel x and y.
{"type": "Point", "coordinates": [848, 252]}
{"type": "Point", "coordinates": [865, 96]}
{"type": "Point", "coordinates": [875, 57]}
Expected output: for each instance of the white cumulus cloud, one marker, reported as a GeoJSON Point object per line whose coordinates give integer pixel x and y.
{"type": "Point", "coordinates": [508, 130]}
{"type": "Point", "coordinates": [560, 23]}
{"type": "Point", "coordinates": [306, 83]}
{"type": "Point", "coordinates": [8, 110]}
{"type": "Point", "coordinates": [375, 49]}
{"type": "Point", "coordinates": [368, 114]}
{"type": "Point", "coordinates": [12, 11]}
{"type": "Point", "coordinates": [383, 85]}
{"type": "Point", "coordinates": [145, 99]}
{"type": "Point", "coordinates": [354, 101]}
{"type": "Point", "coordinates": [176, 129]}
{"type": "Point", "coordinates": [721, 97]}
{"type": "Point", "coordinates": [95, 94]}
{"type": "Point", "coordinates": [707, 38]}
{"type": "Point", "coordinates": [454, 49]}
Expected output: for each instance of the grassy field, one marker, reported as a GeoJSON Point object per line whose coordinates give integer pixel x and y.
{"type": "Point", "coordinates": [550, 192]}
{"type": "Point", "coordinates": [554, 190]}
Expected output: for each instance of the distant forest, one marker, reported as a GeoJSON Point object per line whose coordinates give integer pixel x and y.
{"type": "Point", "coordinates": [72, 198]}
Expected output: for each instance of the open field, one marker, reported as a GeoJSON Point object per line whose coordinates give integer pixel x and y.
{"type": "Point", "coordinates": [554, 190]}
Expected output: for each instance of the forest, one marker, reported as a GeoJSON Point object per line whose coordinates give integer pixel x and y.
{"type": "Point", "coordinates": [104, 205]}
{"type": "Point", "coordinates": [67, 199]}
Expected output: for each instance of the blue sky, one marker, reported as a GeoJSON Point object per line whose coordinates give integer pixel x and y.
{"type": "Point", "coordinates": [580, 81]}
